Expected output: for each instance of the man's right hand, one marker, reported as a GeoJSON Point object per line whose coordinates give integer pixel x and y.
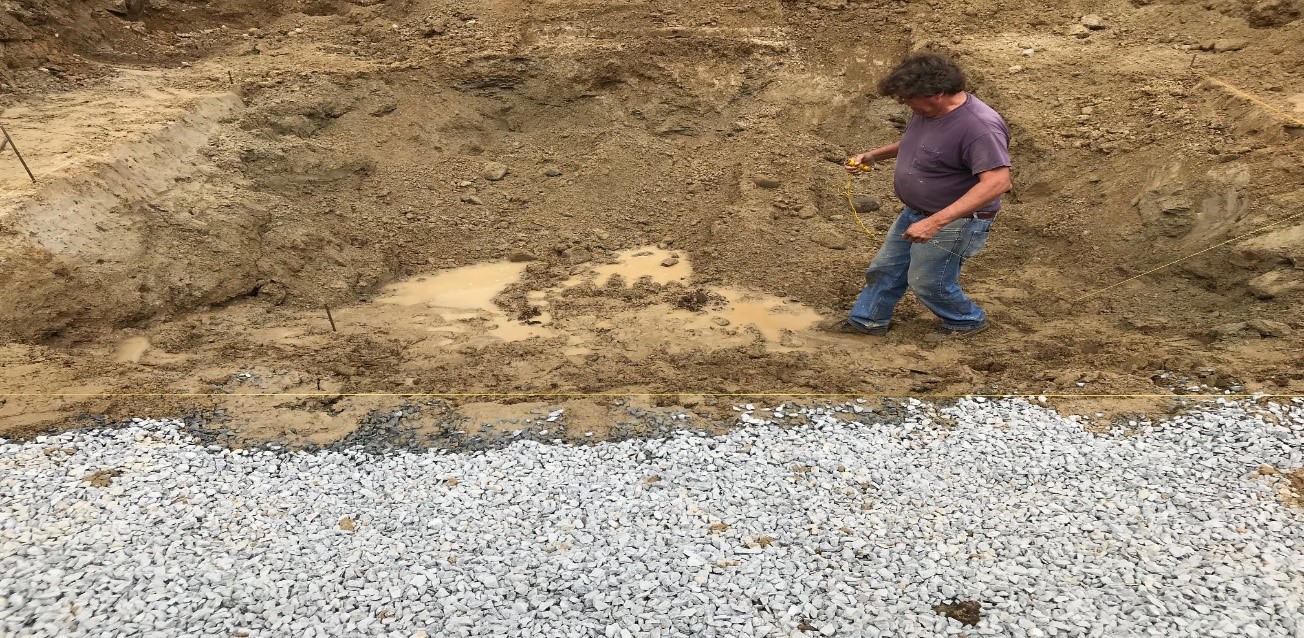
{"type": "Point", "coordinates": [854, 164]}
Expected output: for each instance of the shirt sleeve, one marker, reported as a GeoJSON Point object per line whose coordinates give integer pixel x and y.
{"type": "Point", "coordinates": [987, 152]}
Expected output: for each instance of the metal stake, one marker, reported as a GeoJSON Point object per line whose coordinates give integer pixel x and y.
{"type": "Point", "coordinates": [331, 319]}
{"type": "Point", "coordinates": [10, 142]}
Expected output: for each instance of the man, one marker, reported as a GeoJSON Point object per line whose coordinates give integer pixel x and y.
{"type": "Point", "coordinates": [953, 166]}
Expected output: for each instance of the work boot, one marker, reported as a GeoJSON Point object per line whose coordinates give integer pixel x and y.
{"type": "Point", "coordinates": [847, 326]}
{"type": "Point", "coordinates": [953, 333]}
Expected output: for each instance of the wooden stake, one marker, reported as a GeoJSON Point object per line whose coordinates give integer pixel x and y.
{"type": "Point", "coordinates": [10, 142]}
{"type": "Point", "coordinates": [331, 319]}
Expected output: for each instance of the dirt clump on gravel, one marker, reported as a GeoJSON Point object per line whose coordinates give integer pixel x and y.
{"type": "Point", "coordinates": [1295, 491]}
{"type": "Point", "coordinates": [510, 203]}
{"type": "Point", "coordinates": [968, 612]}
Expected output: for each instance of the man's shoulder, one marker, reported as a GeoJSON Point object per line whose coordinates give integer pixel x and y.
{"type": "Point", "coordinates": [980, 110]}
{"type": "Point", "coordinates": [983, 118]}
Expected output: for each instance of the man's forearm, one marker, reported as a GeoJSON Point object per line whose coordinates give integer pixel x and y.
{"type": "Point", "coordinates": [885, 152]}
{"type": "Point", "coordinates": [982, 194]}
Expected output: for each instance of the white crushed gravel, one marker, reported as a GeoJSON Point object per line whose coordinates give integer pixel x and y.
{"type": "Point", "coordinates": [853, 526]}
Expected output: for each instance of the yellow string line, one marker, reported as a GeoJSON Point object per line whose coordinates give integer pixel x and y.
{"type": "Point", "coordinates": [1242, 94]}
{"type": "Point", "coordinates": [634, 394]}
{"type": "Point", "coordinates": [1175, 261]}
{"type": "Point", "coordinates": [846, 190]}
{"type": "Point", "coordinates": [1255, 100]}
{"type": "Point", "coordinates": [851, 204]}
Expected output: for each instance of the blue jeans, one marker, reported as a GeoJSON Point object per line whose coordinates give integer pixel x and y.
{"type": "Point", "coordinates": [931, 270]}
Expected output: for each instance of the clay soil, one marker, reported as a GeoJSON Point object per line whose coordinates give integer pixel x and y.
{"type": "Point", "coordinates": [213, 175]}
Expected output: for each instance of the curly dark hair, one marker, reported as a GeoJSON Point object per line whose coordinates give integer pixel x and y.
{"type": "Point", "coordinates": [923, 75]}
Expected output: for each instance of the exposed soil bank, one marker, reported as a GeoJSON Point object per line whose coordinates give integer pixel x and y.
{"type": "Point", "coordinates": [213, 175]}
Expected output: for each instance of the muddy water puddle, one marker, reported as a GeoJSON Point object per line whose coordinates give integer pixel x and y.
{"type": "Point", "coordinates": [467, 290]}
{"type": "Point", "coordinates": [770, 315]}
{"type": "Point", "coordinates": [445, 301]}
{"type": "Point", "coordinates": [717, 326]}
{"type": "Point", "coordinates": [661, 266]}
{"type": "Point", "coordinates": [462, 294]}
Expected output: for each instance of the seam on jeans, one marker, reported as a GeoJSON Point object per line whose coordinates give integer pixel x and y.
{"type": "Point", "coordinates": [969, 240]}
{"type": "Point", "coordinates": [962, 243]}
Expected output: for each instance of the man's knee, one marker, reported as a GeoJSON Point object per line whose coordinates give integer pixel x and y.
{"type": "Point", "coordinates": [929, 285]}
{"type": "Point", "coordinates": [884, 270]}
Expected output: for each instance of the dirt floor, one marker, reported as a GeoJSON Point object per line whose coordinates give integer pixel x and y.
{"type": "Point", "coordinates": [240, 202]}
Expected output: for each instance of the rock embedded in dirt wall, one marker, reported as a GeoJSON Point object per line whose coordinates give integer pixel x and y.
{"type": "Point", "coordinates": [1268, 328]}
{"type": "Point", "coordinates": [1284, 246]}
{"type": "Point", "coordinates": [866, 203]}
{"type": "Point", "coordinates": [1174, 206]}
{"type": "Point", "coordinates": [1227, 330]}
{"type": "Point", "coordinates": [1223, 45]}
{"type": "Point", "coordinates": [494, 171]}
{"type": "Point", "coordinates": [1093, 22]}
{"type": "Point", "coordinates": [1258, 327]}
{"type": "Point", "coordinates": [829, 238]}
{"type": "Point", "coordinates": [577, 255]}
{"type": "Point", "coordinates": [1276, 283]}
{"type": "Point", "coordinates": [1229, 44]}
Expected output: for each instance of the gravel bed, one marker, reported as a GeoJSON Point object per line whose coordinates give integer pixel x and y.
{"type": "Point", "coordinates": [976, 518]}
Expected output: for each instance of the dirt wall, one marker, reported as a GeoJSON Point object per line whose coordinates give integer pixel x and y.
{"type": "Point", "coordinates": [312, 153]}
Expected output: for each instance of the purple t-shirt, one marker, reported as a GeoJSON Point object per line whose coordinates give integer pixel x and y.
{"type": "Point", "coordinates": [940, 158]}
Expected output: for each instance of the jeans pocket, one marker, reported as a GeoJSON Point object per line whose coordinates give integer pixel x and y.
{"type": "Point", "coordinates": [975, 238]}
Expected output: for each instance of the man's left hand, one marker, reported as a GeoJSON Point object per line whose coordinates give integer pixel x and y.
{"type": "Point", "coordinates": [922, 231]}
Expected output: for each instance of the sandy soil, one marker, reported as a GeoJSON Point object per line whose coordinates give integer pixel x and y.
{"type": "Point", "coordinates": [458, 181]}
